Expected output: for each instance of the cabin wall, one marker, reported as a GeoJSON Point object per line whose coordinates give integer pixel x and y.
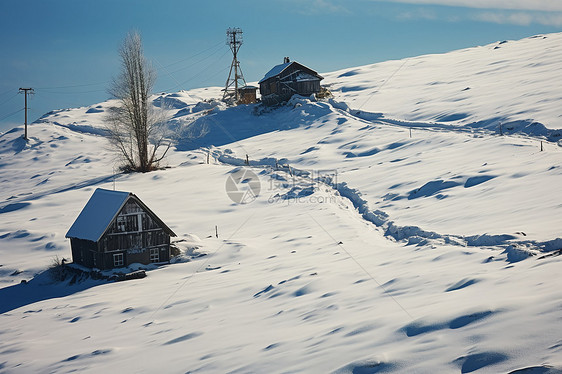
{"type": "Point", "coordinates": [134, 236]}
{"type": "Point", "coordinates": [268, 86]}
{"type": "Point", "coordinates": [133, 240]}
{"type": "Point", "coordinates": [143, 255]}
{"type": "Point", "coordinates": [108, 259]}
{"type": "Point", "coordinates": [306, 88]}
{"type": "Point", "coordinates": [85, 252]}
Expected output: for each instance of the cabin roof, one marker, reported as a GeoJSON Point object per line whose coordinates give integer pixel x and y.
{"type": "Point", "coordinates": [99, 212]}
{"type": "Point", "coordinates": [278, 69]}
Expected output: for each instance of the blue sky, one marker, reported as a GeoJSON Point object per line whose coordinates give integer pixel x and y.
{"type": "Point", "coordinates": [67, 49]}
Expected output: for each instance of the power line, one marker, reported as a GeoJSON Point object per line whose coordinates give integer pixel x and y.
{"type": "Point", "coordinates": [196, 75]}
{"type": "Point", "coordinates": [73, 86]}
{"type": "Point", "coordinates": [178, 84]}
{"type": "Point", "coordinates": [49, 89]}
{"type": "Point", "coordinates": [362, 267]}
{"type": "Point", "coordinates": [383, 83]}
{"type": "Point", "coordinates": [190, 57]}
{"type": "Point", "coordinates": [6, 92]}
{"type": "Point", "coordinates": [11, 114]}
{"type": "Point", "coordinates": [190, 277]}
{"type": "Point", "coordinates": [205, 69]}
{"type": "Point", "coordinates": [163, 67]}
{"type": "Point", "coordinates": [10, 99]}
{"type": "Point", "coordinates": [214, 75]}
{"type": "Point", "coordinates": [195, 63]}
{"type": "Point", "coordinates": [69, 93]}
{"type": "Point", "coordinates": [107, 82]}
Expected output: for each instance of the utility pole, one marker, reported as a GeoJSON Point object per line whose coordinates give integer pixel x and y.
{"type": "Point", "coordinates": [234, 41]}
{"type": "Point", "coordinates": [236, 65]}
{"type": "Point", "coordinates": [26, 91]}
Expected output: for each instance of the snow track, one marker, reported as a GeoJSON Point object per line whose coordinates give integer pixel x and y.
{"type": "Point", "coordinates": [489, 127]}
{"type": "Point", "coordinates": [370, 144]}
{"type": "Point", "coordinates": [302, 185]}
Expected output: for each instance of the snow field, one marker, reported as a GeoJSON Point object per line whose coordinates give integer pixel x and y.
{"type": "Point", "coordinates": [271, 291]}
{"type": "Point", "coordinates": [367, 250]}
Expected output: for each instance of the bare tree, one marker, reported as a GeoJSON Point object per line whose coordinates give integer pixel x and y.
{"type": "Point", "coordinates": [135, 129]}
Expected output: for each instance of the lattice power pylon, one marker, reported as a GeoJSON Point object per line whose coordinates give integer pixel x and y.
{"type": "Point", "coordinates": [234, 41]}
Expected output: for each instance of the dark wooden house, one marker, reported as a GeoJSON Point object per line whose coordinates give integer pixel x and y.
{"type": "Point", "coordinates": [288, 79]}
{"type": "Point", "coordinates": [116, 229]}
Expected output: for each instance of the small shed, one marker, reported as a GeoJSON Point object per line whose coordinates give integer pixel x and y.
{"type": "Point", "coordinates": [247, 95]}
{"type": "Point", "coordinates": [116, 229]}
{"type": "Point", "coordinates": [287, 79]}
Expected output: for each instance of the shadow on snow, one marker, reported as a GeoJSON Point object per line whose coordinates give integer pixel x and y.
{"type": "Point", "coordinates": [41, 287]}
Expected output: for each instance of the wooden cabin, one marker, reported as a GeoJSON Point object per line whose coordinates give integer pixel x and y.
{"type": "Point", "coordinates": [287, 79]}
{"type": "Point", "coordinates": [116, 229]}
{"type": "Point", "coordinates": [247, 95]}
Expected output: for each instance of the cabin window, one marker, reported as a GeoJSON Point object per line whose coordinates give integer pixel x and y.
{"type": "Point", "coordinates": [118, 259]}
{"type": "Point", "coordinates": [129, 223]}
{"type": "Point", "coordinates": [154, 255]}
{"type": "Point", "coordinates": [121, 224]}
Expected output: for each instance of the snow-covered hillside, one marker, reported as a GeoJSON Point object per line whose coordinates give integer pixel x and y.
{"type": "Point", "coordinates": [503, 82]}
{"type": "Point", "coordinates": [398, 228]}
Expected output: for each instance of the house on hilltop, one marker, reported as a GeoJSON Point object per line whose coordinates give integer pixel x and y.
{"type": "Point", "coordinates": [288, 79]}
{"type": "Point", "coordinates": [116, 229]}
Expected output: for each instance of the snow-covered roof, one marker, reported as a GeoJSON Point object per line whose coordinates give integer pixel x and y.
{"type": "Point", "coordinates": [277, 69]}
{"type": "Point", "coordinates": [247, 87]}
{"type": "Point", "coordinates": [98, 213]}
